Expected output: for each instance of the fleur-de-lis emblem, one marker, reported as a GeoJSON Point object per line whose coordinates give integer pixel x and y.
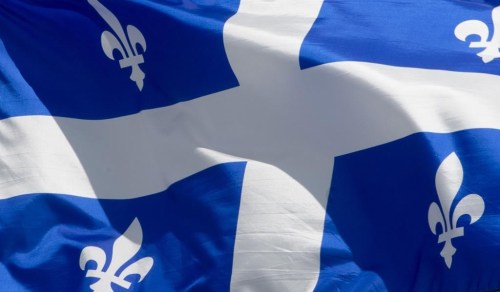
{"type": "Point", "coordinates": [126, 44]}
{"type": "Point", "coordinates": [449, 178]}
{"type": "Point", "coordinates": [124, 249]}
{"type": "Point", "coordinates": [479, 28]}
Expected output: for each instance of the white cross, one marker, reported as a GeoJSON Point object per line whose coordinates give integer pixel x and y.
{"type": "Point", "coordinates": [289, 124]}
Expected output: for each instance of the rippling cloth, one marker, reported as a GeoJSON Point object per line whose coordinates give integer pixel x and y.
{"type": "Point", "coordinates": [215, 145]}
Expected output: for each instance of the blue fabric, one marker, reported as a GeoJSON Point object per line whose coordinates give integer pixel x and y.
{"type": "Point", "coordinates": [52, 50]}
{"type": "Point", "coordinates": [380, 199]}
{"type": "Point", "coordinates": [402, 33]}
{"type": "Point", "coordinates": [338, 270]}
{"type": "Point", "coordinates": [377, 235]}
{"type": "Point", "coordinates": [189, 230]}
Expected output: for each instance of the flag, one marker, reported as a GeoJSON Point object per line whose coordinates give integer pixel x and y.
{"type": "Point", "coordinates": [216, 145]}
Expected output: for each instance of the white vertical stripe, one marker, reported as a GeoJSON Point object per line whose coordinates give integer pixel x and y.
{"type": "Point", "coordinates": [279, 233]}
{"type": "Point", "coordinates": [293, 122]}
{"type": "Point", "coordinates": [280, 222]}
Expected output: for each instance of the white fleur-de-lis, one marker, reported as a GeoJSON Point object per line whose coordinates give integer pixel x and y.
{"type": "Point", "coordinates": [126, 44]}
{"type": "Point", "coordinates": [124, 249]}
{"type": "Point", "coordinates": [479, 28]}
{"type": "Point", "coordinates": [449, 178]}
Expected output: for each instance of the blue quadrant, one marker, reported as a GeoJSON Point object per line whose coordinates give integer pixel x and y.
{"type": "Point", "coordinates": [188, 230]}
{"type": "Point", "coordinates": [53, 50]}
{"type": "Point", "coordinates": [380, 200]}
{"type": "Point", "coordinates": [402, 33]}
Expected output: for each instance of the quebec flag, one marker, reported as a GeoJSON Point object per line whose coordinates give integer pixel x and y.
{"type": "Point", "coordinates": [225, 145]}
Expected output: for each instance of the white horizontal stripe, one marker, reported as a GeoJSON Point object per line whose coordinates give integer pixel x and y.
{"type": "Point", "coordinates": [327, 111]}
{"type": "Point", "coordinates": [293, 121]}
{"type": "Point", "coordinates": [296, 129]}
